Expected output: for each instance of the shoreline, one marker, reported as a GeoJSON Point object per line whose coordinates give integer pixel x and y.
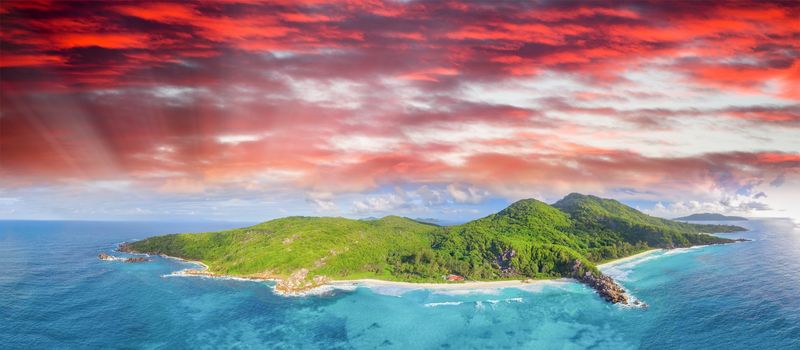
{"type": "Point", "coordinates": [205, 267]}
{"type": "Point", "coordinates": [368, 282]}
{"type": "Point", "coordinates": [655, 250]}
{"type": "Point", "coordinates": [203, 272]}
{"type": "Point", "coordinates": [629, 258]}
{"type": "Point", "coordinates": [363, 282]}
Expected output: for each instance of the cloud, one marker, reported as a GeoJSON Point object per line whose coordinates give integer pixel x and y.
{"type": "Point", "coordinates": [466, 193]}
{"type": "Point", "coordinates": [681, 102]}
{"type": "Point", "coordinates": [390, 202]}
{"type": "Point", "coordinates": [430, 196]}
{"type": "Point", "coordinates": [183, 185]}
{"type": "Point", "coordinates": [424, 199]}
{"type": "Point", "coordinates": [323, 201]}
{"type": "Point", "coordinates": [477, 41]}
{"type": "Point", "coordinates": [738, 204]}
{"type": "Point", "coordinates": [778, 181]}
{"type": "Point", "coordinates": [237, 139]}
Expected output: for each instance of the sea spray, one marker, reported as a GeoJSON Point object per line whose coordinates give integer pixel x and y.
{"type": "Point", "coordinates": [444, 303]}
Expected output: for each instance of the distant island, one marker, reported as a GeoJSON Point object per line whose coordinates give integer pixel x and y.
{"type": "Point", "coordinates": [710, 217]}
{"type": "Point", "coordinates": [525, 241]}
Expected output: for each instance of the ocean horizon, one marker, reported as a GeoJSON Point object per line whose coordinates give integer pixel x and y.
{"type": "Point", "coordinates": [56, 294]}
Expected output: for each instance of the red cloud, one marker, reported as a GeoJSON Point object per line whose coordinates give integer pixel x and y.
{"type": "Point", "coordinates": [154, 11]}
{"type": "Point", "coordinates": [111, 41]}
{"type": "Point", "coordinates": [480, 41]}
{"type": "Point", "coordinates": [109, 89]}
{"type": "Point", "coordinates": [12, 60]}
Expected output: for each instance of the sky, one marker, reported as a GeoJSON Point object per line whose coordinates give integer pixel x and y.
{"type": "Point", "coordinates": [248, 110]}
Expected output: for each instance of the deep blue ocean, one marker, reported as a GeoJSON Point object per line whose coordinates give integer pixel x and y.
{"type": "Point", "coordinates": [56, 294]}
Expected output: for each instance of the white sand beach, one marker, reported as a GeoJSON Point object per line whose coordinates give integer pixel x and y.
{"type": "Point", "coordinates": [443, 286]}
{"type": "Point", "coordinates": [628, 258]}
{"type": "Point", "coordinates": [471, 285]}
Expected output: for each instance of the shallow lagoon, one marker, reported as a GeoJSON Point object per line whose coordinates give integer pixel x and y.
{"type": "Point", "coordinates": [54, 293]}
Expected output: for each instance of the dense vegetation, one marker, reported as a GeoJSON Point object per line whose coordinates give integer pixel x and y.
{"type": "Point", "coordinates": [529, 239]}
{"type": "Point", "coordinates": [327, 246]}
{"type": "Point", "coordinates": [611, 222]}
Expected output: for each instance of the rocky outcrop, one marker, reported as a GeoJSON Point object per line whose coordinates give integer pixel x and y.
{"type": "Point", "coordinates": [297, 283]}
{"type": "Point", "coordinates": [125, 247]}
{"type": "Point", "coordinates": [136, 260]}
{"type": "Point", "coordinates": [503, 261]}
{"type": "Point", "coordinates": [604, 285]}
{"type": "Point", "coordinates": [106, 257]}
{"type": "Point", "coordinates": [196, 272]}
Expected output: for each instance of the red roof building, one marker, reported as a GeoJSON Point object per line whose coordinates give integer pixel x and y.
{"type": "Point", "coordinates": [455, 278]}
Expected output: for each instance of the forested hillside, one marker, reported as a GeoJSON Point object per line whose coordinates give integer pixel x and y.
{"type": "Point", "coordinates": [528, 239]}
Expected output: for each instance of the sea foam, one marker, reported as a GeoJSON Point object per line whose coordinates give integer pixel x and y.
{"type": "Point", "coordinates": [444, 303]}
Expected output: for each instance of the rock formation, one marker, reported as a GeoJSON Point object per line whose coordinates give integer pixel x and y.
{"type": "Point", "coordinates": [604, 285]}
{"type": "Point", "coordinates": [136, 259]}
{"type": "Point", "coordinates": [106, 257]}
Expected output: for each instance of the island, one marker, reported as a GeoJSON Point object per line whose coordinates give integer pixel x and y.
{"type": "Point", "coordinates": [710, 217]}
{"type": "Point", "coordinates": [527, 240]}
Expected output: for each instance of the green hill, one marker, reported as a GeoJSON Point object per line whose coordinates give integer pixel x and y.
{"type": "Point", "coordinates": [616, 222]}
{"type": "Point", "coordinates": [325, 246]}
{"type": "Point", "coordinates": [529, 239]}
{"type": "Point", "coordinates": [710, 217]}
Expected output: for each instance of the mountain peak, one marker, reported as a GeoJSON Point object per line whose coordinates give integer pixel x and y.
{"type": "Point", "coordinates": [525, 207]}
{"type": "Point", "coordinates": [574, 201]}
{"type": "Point", "coordinates": [533, 210]}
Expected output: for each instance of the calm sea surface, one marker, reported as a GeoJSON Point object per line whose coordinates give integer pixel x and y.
{"type": "Point", "coordinates": [55, 294]}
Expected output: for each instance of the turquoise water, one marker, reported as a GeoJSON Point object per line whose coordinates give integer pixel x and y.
{"type": "Point", "coordinates": [55, 293]}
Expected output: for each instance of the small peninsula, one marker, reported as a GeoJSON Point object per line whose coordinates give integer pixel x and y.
{"type": "Point", "coordinates": [710, 217]}
{"type": "Point", "coordinates": [527, 240]}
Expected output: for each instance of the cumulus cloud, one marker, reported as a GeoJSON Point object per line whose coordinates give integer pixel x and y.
{"type": "Point", "coordinates": [431, 196]}
{"type": "Point", "coordinates": [381, 203]}
{"type": "Point", "coordinates": [323, 201]}
{"type": "Point", "coordinates": [423, 199]}
{"type": "Point", "coordinates": [466, 193]}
